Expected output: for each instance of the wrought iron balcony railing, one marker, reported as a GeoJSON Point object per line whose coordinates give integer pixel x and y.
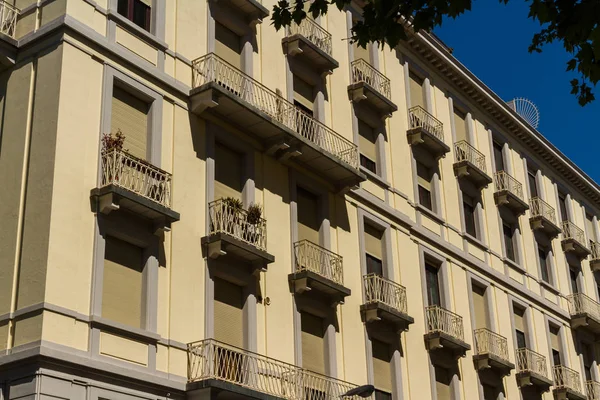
{"type": "Point", "coordinates": [312, 31]}
{"type": "Point", "coordinates": [228, 219]}
{"type": "Point", "coordinates": [121, 169]}
{"type": "Point", "coordinates": [362, 71]}
{"type": "Point", "coordinates": [419, 118]}
{"type": "Point", "coordinates": [316, 259]}
{"type": "Point", "coordinates": [572, 231]}
{"type": "Point", "coordinates": [530, 361]}
{"type": "Point", "coordinates": [580, 303]}
{"type": "Point", "coordinates": [503, 181]}
{"type": "Point", "coordinates": [444, 321]}
{"type": "Point", "coordinates": [593, 390]}
{"type": "Point", "coordinates": [8, 18]}
{"type": "Point", "coordinates": [566, 378]}
{"type": "Point", "coordinates": [211, 68]}
{"type": "Point", "coordinates": [379, 289]}
{"type": "Point", "coordinates": [463, 151]}
{"type": "Point", "coordinates": [488, 342]}
{"type": "Point", "coordinates": [539, 208]}
{"type": "Point", "coordinates": [210, 359]}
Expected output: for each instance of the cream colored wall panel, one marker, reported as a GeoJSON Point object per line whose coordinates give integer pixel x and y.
{"type": "Point", "coordinates": [430, 224]}
{"type": "Point", "coordinates": [3, 335]}
{"type": "Point", "coordinates": [177, 362]}
{"type": "Point", "coordinates": [533, 285]}
{"type": "Point", "coordinates": [162, 358]}
{"type": "Point", "coordinates": [164, 289]}
{"type": "Point", "coordinates": [171, 26]}
{"type": "Point", "coordinates": [476, 251]}
{"type": "Point", "coordinates": [72, 223]}
{"type": "Point", "coordinates": [402, 205]}
{"type": "Point", "coordinates": [497, 263]}
{"type": "Point", "coordinates": [170, 65]}
{"type": "Point", "coordinates": [99, 22]}
{"type": "Point", "coordinates": [27, 330]}
{"type": "Point", "coordinates": [52, 10]}
{"type": "Point", "coordinates": [454, 238]}
{"type": "Point", "coordinates": [515, 274]}
{"type": "Point", "coordinates": [123, 348]}
{"type": "Point", "coordinates": [189, 38]}
{"type": "Point", "coordinates": [183, 72]}
{"type": "Point", "coordinates": [550, 296]}
{"type": "Point", "coordinates": [26, 23]}
{"type": "Point", "coordinates": [374, 189]}
{"type": "Point", "coordinates": [65, 331]}
{"type": "Point", "coordinates": [87, 14]}
{"type": "Point", "coordinates": [136, 45]}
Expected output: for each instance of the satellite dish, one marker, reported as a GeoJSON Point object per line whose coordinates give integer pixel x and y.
{"type": "Point", "coordinates": [527, 110]}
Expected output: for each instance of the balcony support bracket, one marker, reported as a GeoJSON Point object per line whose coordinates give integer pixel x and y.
{"type": "Point", "coordinates": [215, 249]}
{"type": "Point", "coordinates": [108, 202]}
{"type": "Point", "coordinates": [358, 94]}
{"type": "Point", "coordinates": [294, 48]}
{"type": "Point", "coordinates": [203, 100]}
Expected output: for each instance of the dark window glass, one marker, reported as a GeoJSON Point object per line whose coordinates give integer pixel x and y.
{"type": "Point", "coordinates": [521, 343]}
{"type": "Point", "coordinates": [374, 265]}
{"type": "Point", "coordinates": [136, 11]}
{"type": "Point", "coordinates": [433, 285]}
{"type": "Point", "coordinates": [469, 211]}
{"type": "Point", "coordinates": [498, 159]}
{"type": "Point", "coordinates": [508, 242]}
{"type": "Point", "coordinates": [424, 184]}
{"type": "Point", "coordinates": [368, 163]}
{"type": "Point", "coordinates": [543, 256]}
{"type": "Point", "coordinates": [379, 395]}
{"type": "Point", "coordinates": [533, 192]}
{"type": "Point", "coordinates": [425, 198]}
{"type": "Point", "coordinates": [556, 357]}
{"type": "Point", "coordinates": [489, 392]}
{"type": "Point", "coordinates": [562, 200]}
{"type": "Point", "coordinates": [588, 358]}
{"type": "Point", "coordinates": [573, 277]}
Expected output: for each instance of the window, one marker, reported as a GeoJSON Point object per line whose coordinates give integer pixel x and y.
{"type": "Point", "coordinates": [308, 216]}
{"type": "Point", "coordinates": [489, 392]}
{"type": "Point", "coordinates": [130, 116]}
{"type": "Point", "coordinates": [373, 249]}
{"type": "Point", "coordinates": [367, 144]}
{"type": "Point", "coordinates": [460, 125]}
{"type": "Point", "coordinates": [588, 360]}
{"type": "Point", "coordinates": [532, 177]}
{"type": "Point", "coordinates": [509, 245]}
{"type": "Point", "coordinates": [304, 95]}
{"type": "Point", "coordinates": [123, 281]}
{"type": "Point", "coordinates": [554, 343]}
{"type": "Point", "coordinates": [433, 285]}
{"type": "Point", "coordinates": [228, 45]}
{"type": "Point", "coordinates": [469, 213]}
{"type": "Point", "coordinates": [228, 313]}
{"type": "Point", "coordinates": [543, 255]}
{"type": "Point", "coordinates": [562, 202]}
{"type": "Point", "coordinates": [416, 90]}
{"type": "Point", "coordinates": [137, 11]}
{"type": "Point", "coordinates": [519, 316]}
{"type": "Point", "coordinates": [424, 181]}
{"type": "Point", "coordinates": [573, 274]}
{"type": "Point", "coordinates": [589, 226]}
{"type": "Point", "coordinates": [443, 380]}
{"type": "Point", "coordinates": [382, 368]}
{"type": "Point", "coordinates": [498, 157]}
{"type": "Point", "coordinates": [228, 173]}
{"type": "Point", "coordinates": [480, 307]}
{"type": "Point", "coordinates": [313, 342]}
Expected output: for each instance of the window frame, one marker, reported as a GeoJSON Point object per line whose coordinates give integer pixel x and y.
{"type": "Point", "coordinates": [130, 14]}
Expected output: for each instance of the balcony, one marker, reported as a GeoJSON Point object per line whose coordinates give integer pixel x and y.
{"type": "Point", "coordinates": [509, 193]}
{"type": "Point", "coordinates": [310, 42]}
{"type": "Point", "coordinates": [543, 217]}
{"type": "Point", "coordinates": [585, 312]}
{"type": "Point", "coordinates": [567, 384]}
{"type": "Point", "coordinates": [250, 11]}
{"type": "Point", "coordinates": [595, 259]}
{"type": "Point", "coordinates": [470, 164]}
{"type": "Point", "coordinates": [574, 240]}
{"type": "Point", "coordinates": [371, 86]}
{"type": "Point", "coordinates": [532, 370]}
{"type": "Point", "coordinates": [385, 301]}
{"type": "Point", "coordinates": [426, 131]}
{"type": "Point", "coordinates": [8, 26]}
{"type": "Point", "coordinates": [445, 331]}
{"type": "Point", "coordinates": [133, 184]}
{"type": "Point", "coordinates": [215, 367]}
{"type": "Point", "coordinates": [318, 272]}
{"type": "Point", "coordinates": [282, 129]}
{"type": "Point", "coordinates": [491, 352]}
{"type": "Point", "coordinates": [592, 390]}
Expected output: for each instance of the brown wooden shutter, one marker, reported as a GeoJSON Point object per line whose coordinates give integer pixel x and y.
{"type": "Point", "coordinates": [519, 320]}
{"type": "Point", "coordinates": [228, 173]}
{"type": "Point", "coordinates": [304, 93]}
{"type": "Point", "coordinates": [416, 91]}
{"type": "Point", "coordinates": [424, 175]}
{"type": "Point", "coordinates": [442, 383]}
{"type": "Point", "coordinates": [229, 320]}
{"type": "Point", "coordinates": [130, 115]}
{"type": "Point", "coordinates": [122, 292]}
{"type": "Point", "coordinates": [382, 369]}
{"type": "Point", "coordinates": [313, 343]}
{"type": "Point", "coordinates": [589, 222]}
{"type": "Point", "coordinates": [308, 216]}
{"type": "Point", "coordinates": [228, 45]}
{"type": "Point", "coordinates": [554, 341]}
{"type": "Point", "coordinates": [480, 307]}
{"type": "Point", "coordinates": [367, 140]}
{"type": "Point", "coordinates": [373, 244]}
{"type": "Point", "coordinates": [460, 125]}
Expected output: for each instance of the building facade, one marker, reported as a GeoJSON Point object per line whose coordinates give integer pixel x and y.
{"type": "Point", "coordinates": [196, 205]}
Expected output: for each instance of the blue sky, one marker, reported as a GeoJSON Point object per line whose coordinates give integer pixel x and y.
{"type": "Point", "coordinates": [492, 39]}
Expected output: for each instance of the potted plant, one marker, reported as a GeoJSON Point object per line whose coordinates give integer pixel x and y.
{"type": "Point", "coordinates": [110, 142]}
{"type": "Point", "coordinates": [253, 217]}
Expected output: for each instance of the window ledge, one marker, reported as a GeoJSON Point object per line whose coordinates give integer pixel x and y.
{"type": "Point", "coordinates": [431, 214]}
{"type": "Point", "coordinates": [513, 264]}
{"type": "Point", "coordinates": [124, 330]}
{"type": "Point", "coordinates": [475, 241]}
{"type": "Point", "coordinates": [374, 177]}
{"type": "Point", "coordinates": [136, 30]}
{"type": "Point", "coordinates": [549, 287]}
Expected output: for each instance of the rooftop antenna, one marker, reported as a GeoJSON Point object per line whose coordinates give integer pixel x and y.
{"type": "Point", "coordinates": [527, 110]}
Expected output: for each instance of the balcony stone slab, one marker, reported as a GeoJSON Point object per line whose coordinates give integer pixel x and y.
{"type": "Point", "coordinates": [309, 283]}
{"type": "Point", "coordinates": [221, 244]}
{"type": "Point", "coordinates": [529, 379]}
{"type": "Point", "coordinates": [571, 245]}
{"type": "Point", "coordinates": [421, 136]}
{"type": "Point", "coordinates": [545, 225]}
{"type": "Point", "coordinates": [492, 362]}
{"type": "Point", "coordinates": [300, 47]}
{"type": "Point", "coordinates": [506, 198]}
{"type": "Point", "coordinates": [441, 341]}
{"type": "Point", "coordinates": [466, 170]}
{"type": "Point", "coordinates": [251, 11]}
{"type": "Point", "coordinates": [378, 311]}
{"type": "Point", "coordinates": [567, 394]}
{"type": "Point", "coordinates": [363, 93]}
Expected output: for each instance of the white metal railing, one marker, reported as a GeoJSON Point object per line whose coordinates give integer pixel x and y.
{"type": "Point", "coordinates": [418, 117]}
{"type": "Point", "coordinates": [315, 34]}
{"type": "Point", "coordinates": [539, 208]}
{"type": "Point", "coordinates": [314, 258]}
{"type": "Point", "coordinates": [566, 378]}
{"type": "Point", "coordinates": [362, 71]}
{"type": "Point", "coordinates": [488, 342]}
{"type": "Point", "coordinates": [504, 181]}
{"type": "Point", "coordinates": [8, 18]}
{"type": "Point", "coordinates": [121, 169]}
{"type": "Point", "coordinates": [572, 231]}
{"type": "Point", "coordinates": [211, 68]}
{"type": "Point", "coordinates": [382, 290]}
{"type": "Point", "coordinates": [228, 219]}
{"type": "Point", "coordinates": [210, 359]}
{"type": "Point", "coordinates": [530, 361]}
{"type": "Point", "coordinates": [463, 151]}
{"type": "Point", "coordinates": [595, 248]}
{"type": "Point", "coordinates": [592, 390]}
{"type": "Point", "coordinates": [580, 303]}
{"type": "Point", "coordinates": [442, 320]}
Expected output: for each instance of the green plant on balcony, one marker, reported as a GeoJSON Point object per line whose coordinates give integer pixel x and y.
{"type": "Point", "coordinates": [254, 214]}
{"type": "Point", "coordinates": [113, 142]}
